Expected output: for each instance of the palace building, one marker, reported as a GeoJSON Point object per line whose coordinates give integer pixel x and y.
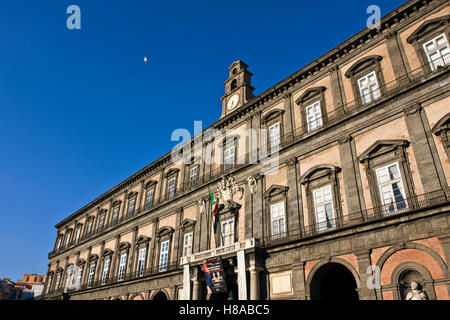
{"type": "Point", "coordinates": [350, 201]}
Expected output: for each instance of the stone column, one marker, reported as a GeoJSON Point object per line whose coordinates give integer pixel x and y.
{"type": "Point", "coordinates": [430, 168]}
{"type": "Point", "coordinates": [288, 123]}
{"type": "Point", "coordinates": [364, 262]}
{"type": "Point", "coordinates": [87, 267]}
{"type": "Point", "coordinates": [139, 202]}
{"type": "Point", "coordinates": [186, 282]}
{"type": "Point", "coordinates": [132, 250]}
{"type": "Point", "coordinates": [98, 272]}
{"type": "Point", "coordinates": [350, 171]}
{"type": "Point", "coordinates": [196, 289]}
{"type": "Point", "coordinates": [298, 278]}
{"type": "Point", "coordinates": [177, 235]}
{"type": "Point", "coordinates": [241, 275]}
{"type": "Point", "coordinates": [114, 257]}
{"type": "Point", "coordinates": [293, 213]}
{"type": "Point", "coordinates": [254, 283]}
{"type": "Point", "coordinates": [445, 241]}
{"type": "Point", "coordinates": [399, 64]}
{"type": "Point", "coordinates": [152, 245]}
{"type": "Point", "coordinates": [337, 91]}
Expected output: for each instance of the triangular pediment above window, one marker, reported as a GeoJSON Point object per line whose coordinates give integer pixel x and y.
{"type": "Point", "coordinates": [275, 190]}
{"type": "Point", "coordinates": [363, 64]}
{"type": "Point", "coordinates": [319, 171]}
{"type": "Point", "coordinates": [310, 93]}
{"type": "Point", "coordinates": [229, 140]}
{"type": "Point", "coordinates": [382, 147]}
{"type": "Point", "coordinates": [427, 27]}
{"type": "Point", "coordinates": [116, 203]}
{"type": "Point", "coordinates": [443, 124]}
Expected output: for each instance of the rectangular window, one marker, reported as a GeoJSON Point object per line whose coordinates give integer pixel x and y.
{"type": "Point", "coordinates": [391, 188]}
{"type": "Point", "coordinates": [164, 255]}
{"type": "Point", "coordinates": [193, 176]}
{"type": "Point", "coordinates": [141, 262]}
{"type": "Point", "coordinates": [229, 159]}
{"type": "Point", "coordinates": [438, 52]}
{"type": "Point", "coordinates": [77, 238]}
{"type": "Point", "coordinates": [49, 284]}
{"type": "Point", "coordinates": [91, 275]}
{"type": "Point", "coordinates": [89, 229]}
{"type": "Point", "coordinates": [101, 223]}
{"type": "Point", "coordinates": [115, 215]}
{"type": "Point", "coordinates": [68, 239]}
{"type": "Point", "coordinates": [131, 206]}
{"type": "Point", "coordinates": [171, 188]}
{"type": "Point", "coordinates": [314, 116]}
{"type": "Point", "coordinates": [323, 205]}
{"type": "Point", "coordinates": [58, 281]}
{"type": "Point", "coordinates": [122, 267]}
{"type": "Point", "coordinates": [227, 232]}
{"type": "Point", "coordinates": [278, 220]}
{"type": "Point", "coordinates": [59, 243]}
{"type": "Point", "coordinates": [187, 244]}
{"type": "Point", "coordinates": [149, 199]}
{"type": "Point", "coordinates": [105, 271]}
{"type": "Point", "coordinates": [274, 135]}
{"type": "Point", "coordinates": [78, 282]}
{"type": "Point", "coordinates": [368, 87]}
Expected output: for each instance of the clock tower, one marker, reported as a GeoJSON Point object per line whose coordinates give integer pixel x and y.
{"type": "Point", "coordinates": [238, 89]}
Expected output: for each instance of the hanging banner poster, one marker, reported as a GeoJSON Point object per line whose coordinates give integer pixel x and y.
{"type": "Point", "coordinates": [215, 275]}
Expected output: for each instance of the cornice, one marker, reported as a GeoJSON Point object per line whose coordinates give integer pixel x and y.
{"type": "Point", "coordinates": [324, 63]}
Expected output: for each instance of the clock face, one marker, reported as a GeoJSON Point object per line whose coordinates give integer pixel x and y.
{"type": "Point", "coordinates": [233, 102]}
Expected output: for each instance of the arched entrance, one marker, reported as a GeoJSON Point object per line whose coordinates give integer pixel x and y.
{"type": "Point", "coordinates": [333, 281]}
{"type": "Point", "coordinates": [160, 296]}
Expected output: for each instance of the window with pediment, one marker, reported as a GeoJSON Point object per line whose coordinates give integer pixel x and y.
{"type": "Point", "coordinates": [171, 182]}
{"type": "Point", "coordinates": [273, 123]}
{"type": "Point", "coordinates": [150, 188]}
{"type": "Point", "coordinates": [442, 130]}
{"type": "Point", "coordinates": [323, 196]}
{"type": "Point", "coordinates": [142, 244]}
{"type": "Point", "coordinates": [388, 172]}
{"type": "Point", "coordinates": [313, 108]}
{"type": "Point", "coordinates": [229, 146]}
{"type": "Point", "coordinates": [431, 42]}
{"type": "Point", "coordinates": [187, 229]}
{"type": "Point", "coordinates": [366, 77]}
{"type": "Point", "coordinates": [164, 248]}
{"type": "Point", "coordinates": [276, 211]}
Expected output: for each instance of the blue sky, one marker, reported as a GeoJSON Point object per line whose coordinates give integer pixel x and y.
{"type": "Point", "coordinates": [80, 111]}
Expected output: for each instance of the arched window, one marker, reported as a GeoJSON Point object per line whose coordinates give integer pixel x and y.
{"type": "Point", "coordinates": [233, 85]}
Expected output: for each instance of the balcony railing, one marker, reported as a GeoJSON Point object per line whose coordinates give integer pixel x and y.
{"type": "Point", "coordinates": [300, 133]}
{"type": "Point", "coordinates": [415, 203]}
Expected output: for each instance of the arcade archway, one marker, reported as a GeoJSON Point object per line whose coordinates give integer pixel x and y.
{"type": "Point", "coordinates": [333, 281]}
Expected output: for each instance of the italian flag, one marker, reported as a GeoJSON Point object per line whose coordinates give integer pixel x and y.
{"type": "Point", "coordinates": [215, 211]}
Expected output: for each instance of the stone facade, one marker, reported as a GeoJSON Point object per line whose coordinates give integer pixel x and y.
{"type": "Point", "coordinates": [337, 227]}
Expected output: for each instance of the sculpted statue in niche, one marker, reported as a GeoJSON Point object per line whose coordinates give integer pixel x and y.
{"type": "Point", "coordinates": [410, 282]}
{"type": "Point", "coordinates": [252, 184]}
{"type": "Point", "coordinates": [416, 292]}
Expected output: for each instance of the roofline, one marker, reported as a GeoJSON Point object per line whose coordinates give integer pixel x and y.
{"type": "Point", "coordinates": [324, 61]}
